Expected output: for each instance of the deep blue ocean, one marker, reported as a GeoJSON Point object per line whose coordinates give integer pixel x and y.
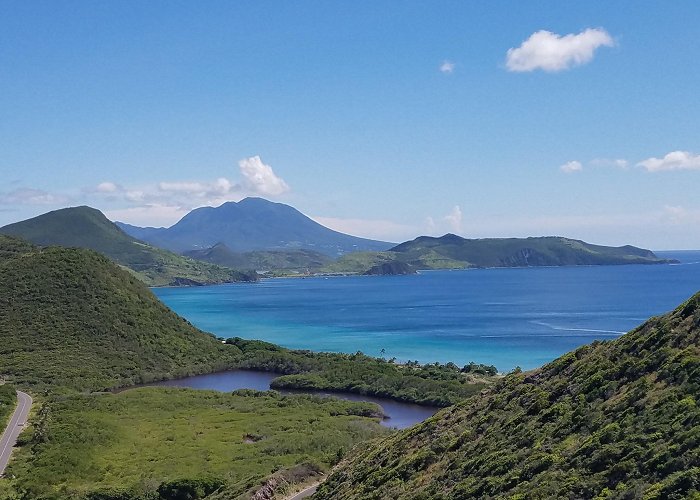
{"type": "Point", "coordinates": [507, 317]}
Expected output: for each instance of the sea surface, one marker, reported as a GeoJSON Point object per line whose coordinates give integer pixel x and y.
{"type": "Point", "coordinates": [506, 317]}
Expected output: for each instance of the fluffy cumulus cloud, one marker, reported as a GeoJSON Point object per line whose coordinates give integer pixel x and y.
{"type": "Point", "coordinates": [107, 187]}
{"type": "Point", "coordinates": [447, 67]}
{"type": "Point", "coordinates": [552, 52]}
{"type": "Point", "coordinates": [454, 219]}
{"type": "Point", "coordinates": [260, 178]}
{"type": "Point", "coordinates": [675, 160]}
{"type": "Point", "coordinates": [169, 199]}
{"type": "Point", "coordinates": [571, 166]}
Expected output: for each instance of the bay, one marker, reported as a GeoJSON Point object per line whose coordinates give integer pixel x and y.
{"type": "Point", "coordinates": [507, 317]}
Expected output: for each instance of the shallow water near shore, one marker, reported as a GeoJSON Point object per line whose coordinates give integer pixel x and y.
{"type": "Point", "coordinates": [507, 317]}
{"type": "Point", "coordinates": [400, 415]}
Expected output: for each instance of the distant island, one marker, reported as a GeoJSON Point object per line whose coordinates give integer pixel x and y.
{"type": "Point", "coordinates": [240, 241]}
{"type": "Point", "coordinates": [454, 252]}
{"type": "Point", "coordinates": [252, 224]}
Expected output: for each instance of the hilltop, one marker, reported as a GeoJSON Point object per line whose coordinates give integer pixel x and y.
{"type": "Point", "coordinates": [71, 318]}
{"type": "Point", "coordinates": [73, 324]}
{"type": "Point", "coordinates": [615, 419]}
{"type": "Point", "coordinates": [454, 252]}
{"type": "Point", "coordinates": [252, 224]}
{"type": "Point", "coordinates": [85, 227]}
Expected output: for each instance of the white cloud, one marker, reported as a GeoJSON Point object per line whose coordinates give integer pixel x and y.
{"type": "Point", "coordinates": [454, 219]}
{"type": "Point", "coordinates": [608, 162]}
{"type": "Point", "coordinates": [107, 187]}
{"type": "Point", "coordinates": [675, 160]}
{"type": "Point", "coordinates": [135, 195]}
{"type": "Point", "coordinates": [376, 229]}
{"type": "Point", "coordinates": [675, 214]}
{"type": "Point", "coordinates": [155, 215]}
{"type": "Point", "coordinates": [571, 166]}
{"type": "Point", "coordinates": [29, 196]}
{"type": "Point", "coordinates": [447, 67]}
{"type": "Point", "coordinates": [552, 52]}
{"type": "Point", "coordinates": [260, 178]}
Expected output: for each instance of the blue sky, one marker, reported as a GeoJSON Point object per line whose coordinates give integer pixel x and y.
{"type": "Point", "coordinates": [382, 119]}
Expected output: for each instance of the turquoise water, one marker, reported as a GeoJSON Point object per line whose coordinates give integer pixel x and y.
{"type": "Point", "coordinates": [506, 317]}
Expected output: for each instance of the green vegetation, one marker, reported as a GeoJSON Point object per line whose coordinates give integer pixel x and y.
{"type": "Point", "coordinates": [616, 419]}
{"type": "Point", "coordinates": [454, 252]}
{"type": "Point", "coordinates": [431, 384]}
{"type": "Point", "coordinates": [517, 252]}
{"type": "Point", "coordinates": [85, 227]}
{"type": "Point", "coordinates": [8, 400]}
{"type": "Point", "coordinates": [71, 318]}
{"type": "Point", "coordinates": [357, 262]}
{"type": "Point", "coordinates": [161, 444]}
{"type": "Point", "coordinates": [270, 262]}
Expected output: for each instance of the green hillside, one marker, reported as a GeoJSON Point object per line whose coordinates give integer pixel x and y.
{"type": "Point", "coordinates": [614, 419]}
{"type": "Point", "coordinates": [85, 227]}
{"type": "Point", "coordinates": [8, 400]}
{"type": "Point", "coordinates": [71, 318]}
{"type": "Point", "coordinates": [265, 261]}
{"type": "Point", "coordinates": [435, 253]}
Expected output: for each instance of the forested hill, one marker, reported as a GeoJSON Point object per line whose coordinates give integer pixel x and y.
{"type": "Point", "coordinates": [86, 227]}
{"type": "Point", "coordinates": [71, 318]}
{"type": "Point", "coordinates": [451, 250]}
{"type": "Point", "coordinates": [614, 419]}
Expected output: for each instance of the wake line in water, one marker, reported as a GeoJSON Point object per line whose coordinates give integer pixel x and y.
{"type": "Point", "coordinates": [569, 329]}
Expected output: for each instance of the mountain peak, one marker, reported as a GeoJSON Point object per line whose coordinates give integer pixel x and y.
{"type": "Point", "coordinates": [254, 224]}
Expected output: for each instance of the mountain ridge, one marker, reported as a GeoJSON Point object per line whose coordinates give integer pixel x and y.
{"type": "Point", "coordinates": [87, 227]}
{"type": "Point", "coordinates": [252, 224]}
{"type": "Point", "coordinates": [519, 252]}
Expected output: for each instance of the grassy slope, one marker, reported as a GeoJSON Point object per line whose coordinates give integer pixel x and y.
{"type": "Point", "coordinates": [454, 252]}
{"type": "Point", "coordinates": [130, 443]}
{"type": "Point", "coordinates": [611, 420]}
{"type": "Point", "coordinates": [71, 318]}
{"type": "Point", "coordinates": [279, 261]}
{"type": "Point", "coordinates": [85, 227]}
{"type": "Point", "coordinates": [8, 400]}
{"type": "Point", "coordinates": [509, 252]}
{"type": "Point", "coordinates": [357, 262]}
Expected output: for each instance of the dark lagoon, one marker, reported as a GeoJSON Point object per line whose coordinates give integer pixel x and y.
{"type": "Point", "coordinates": [400, 415]}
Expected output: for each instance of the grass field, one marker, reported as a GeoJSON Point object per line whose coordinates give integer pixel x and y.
{"type": "Point", "coordinates": [128, 445]}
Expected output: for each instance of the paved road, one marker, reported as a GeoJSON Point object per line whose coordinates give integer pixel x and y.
{"type": "Point", "coordinates": [17, 422]}
{"type": "Point", "coordinates": [305, 493]}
